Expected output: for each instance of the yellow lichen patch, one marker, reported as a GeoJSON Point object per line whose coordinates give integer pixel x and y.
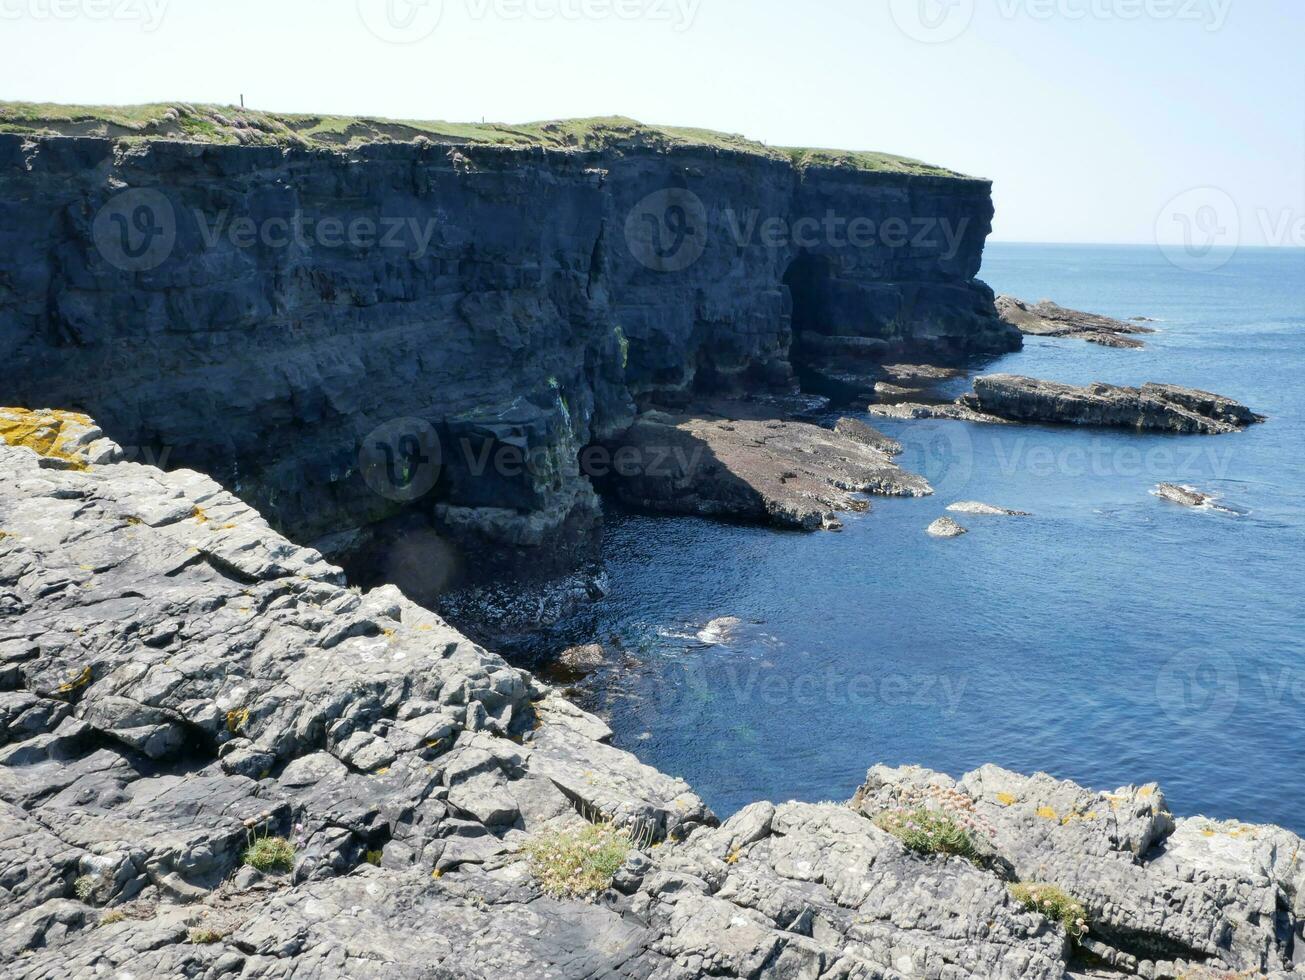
{"type": "Point", "coordinates": [381, 772]}
{"type": "Point", "coordinates": [1207, 832]}
{"type": "Point", "coordinates": [81, 680]}
{"type": "Point", "coordinates": [732, 857]}
{"type": "Point", "coordinates": [199, 515]}
{"type": "Point", "coordinates": [1146, 792]}
{"type": "Point", "coordinates": [237, 720]}
{"type": "Point", "coordinates": [437, 874]}
{"type": "Point", "coordinates": [425, 628]}
{"type": "Point", "coordinates": [1047, 813]}
{"type": "Point", "coordinates": [48, 432]}
{"type": "Point", "coordinates": [388, 634]}
{"type": "Point", "coordinates": [1006, 799]}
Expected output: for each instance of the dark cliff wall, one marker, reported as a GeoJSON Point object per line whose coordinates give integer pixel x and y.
{"type": "Point", "coordinates": [346, 338]}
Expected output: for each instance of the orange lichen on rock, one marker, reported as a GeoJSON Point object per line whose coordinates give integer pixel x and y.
{"type": "Point", "coordinates": [48, 432]}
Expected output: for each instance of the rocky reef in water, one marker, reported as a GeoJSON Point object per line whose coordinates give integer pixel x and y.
{"type": "Point", "coordinates": [180, 685]}
{"type": "Point", "coordinates": [376, 331]}
{"type": "Point", "coordinates": [1048, 319]}
{"type": "Point", "coordinates": [1009, 399]}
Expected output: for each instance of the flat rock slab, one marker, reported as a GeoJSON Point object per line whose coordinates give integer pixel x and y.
{"type": "Point", "coordinates": [1006, 398]}
{"type": "Point", "coordinates": [985, 510]}
{"type": "Point", "coordinates": [784, 473]}
{"type": "Point", "coordinates": [1048, 319]}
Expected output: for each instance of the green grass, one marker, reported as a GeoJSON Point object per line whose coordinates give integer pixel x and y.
{"type": "Point", "coordinates": [270, 854]}
{"type": "Point", "coordinates": [928, 832]}
{"type": "Point", "coordinates": [231, 124]}
{"type": "Point", "coordinates": [578, 863]}
{"type": "Point", "coordinates": [200, 936]}
{"type": "Point", "coordinates": [1054, 903]}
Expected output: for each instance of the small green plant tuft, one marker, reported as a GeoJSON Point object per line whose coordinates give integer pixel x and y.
{"type": "Point", "coordinates": [270, 854]}
{"type": "Point", "coordinates": [374, 857]}
{"type": "Point", "coordinates": [112, 916]}
{"type": "Point", "coordinates": [202, 936]}
{"type": "Point", "coordinates": [1054, 903]}
{"type": "Point", "coordinates": [84, 888]}
{"type": "Point", "coordinates": [578, 863]}
{"type": "Point", "coordinates": [928, 831]}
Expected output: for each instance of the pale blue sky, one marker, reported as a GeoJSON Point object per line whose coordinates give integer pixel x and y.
{"type": "Point", "coordinates": [1090, 115]}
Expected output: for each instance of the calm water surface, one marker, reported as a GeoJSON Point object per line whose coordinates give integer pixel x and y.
{"type": "Point", "coordinates": [1112, 638]}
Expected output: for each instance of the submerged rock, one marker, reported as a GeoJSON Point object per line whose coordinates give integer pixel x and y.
{"type": "Point", "coordinates": [789, 474]}
{"type": "Point", "coordinates": [1047, 319]}
{"type": "Point", "coordinates": [987, 510]}
{"type": "Point", "coordinates": [581, 661]}
{"type": "Point", "coordinates": [1189, 497]}
{"type": "Point", "coordinates": [945, 527]}
{"type": "Point", "coordinates": [720, 630]}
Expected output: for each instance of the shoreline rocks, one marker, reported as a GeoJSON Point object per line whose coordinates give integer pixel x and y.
{"type": "Point", "coordinates": [785, 473]}
{"type": "Point", "coordinates": [1048, 319]}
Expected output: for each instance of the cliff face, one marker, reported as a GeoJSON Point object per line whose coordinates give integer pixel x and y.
{"type": "Point", "coordinates": [402, 331]}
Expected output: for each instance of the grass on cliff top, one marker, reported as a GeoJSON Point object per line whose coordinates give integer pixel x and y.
{"type": "Point", "coordinates": [233, 125]}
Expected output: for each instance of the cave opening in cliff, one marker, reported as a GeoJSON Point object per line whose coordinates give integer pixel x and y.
{"type": "Point", "coordinates": [808, 278]}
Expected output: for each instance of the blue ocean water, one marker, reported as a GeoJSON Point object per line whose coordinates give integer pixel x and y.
{"type": "Point", "coordinates": [1112, 638]}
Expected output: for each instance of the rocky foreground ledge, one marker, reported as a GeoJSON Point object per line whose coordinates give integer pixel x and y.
{"type": "Point", "coordinates": [178, 683]}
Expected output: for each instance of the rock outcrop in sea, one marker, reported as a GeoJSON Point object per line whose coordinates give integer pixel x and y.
{"type": "Point", "coordinates": [1007, 398]}
{"type": "Point", "coordinates": [1048, 319]}
{"type": "Point", "coordinates": [179, 684]}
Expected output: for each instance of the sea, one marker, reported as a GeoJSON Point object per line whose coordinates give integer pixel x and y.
{"type": "Point", "coordinates": [1111, 638]}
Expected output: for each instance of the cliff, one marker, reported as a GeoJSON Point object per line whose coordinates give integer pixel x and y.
{"type": "Point", "coordinates": [217, 760]}
{"type": "Point", "coordinates": [362, 325]}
